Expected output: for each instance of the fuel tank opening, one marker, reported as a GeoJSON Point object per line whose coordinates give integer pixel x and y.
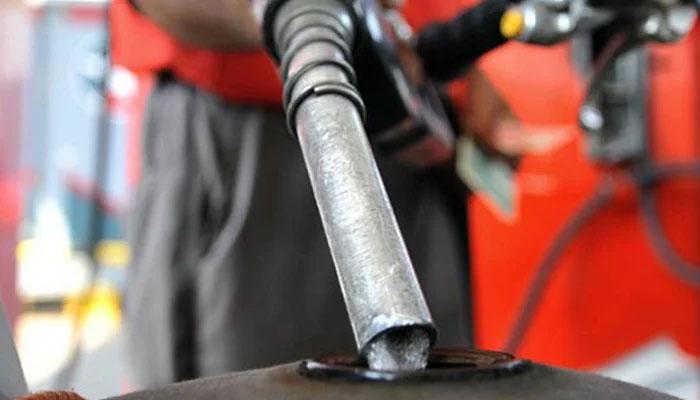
{"type": "Point", "coordinates": [443, 364]}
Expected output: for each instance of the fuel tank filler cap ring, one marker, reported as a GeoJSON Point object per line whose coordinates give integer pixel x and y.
{"type": "Point", "coordinates": [445, 364]}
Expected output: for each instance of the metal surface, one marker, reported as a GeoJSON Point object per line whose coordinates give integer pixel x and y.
{"type": "Point", "coordinates": [465, 375]}
{"type": "Point", "coordinates": [621, 100]}
{"type": "Point", "coordinates": [550, 22]}
{"type": "Point", "coordinates": [399, 350]}
{"type": "Point", "coordinates": [389, 316]}
{"type": "Point", "coordinates": [608, 38]}
{"type": "Point", "coordinates": [547, 22]}
{"type": "Point", "coordinates": [377, 279]}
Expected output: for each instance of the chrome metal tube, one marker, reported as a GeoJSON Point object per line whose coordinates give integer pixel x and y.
{"type": "Point", "coordinates": [389, 316]}
{"type": "Point", "coordinates": [380, 288]}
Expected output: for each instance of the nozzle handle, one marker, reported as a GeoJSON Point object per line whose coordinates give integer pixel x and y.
{"type": "Point", "coordinates": [448, 48]}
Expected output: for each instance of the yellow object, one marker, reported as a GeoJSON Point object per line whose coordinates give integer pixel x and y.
{"type": "Point", "coordinates": [101, 300]}
{"type": "Point", "coordinates": [512, 23]}
{"type": "Point", "coordinates": [32, 247]}
{"type": "Point", "coordinates": [113, 252]}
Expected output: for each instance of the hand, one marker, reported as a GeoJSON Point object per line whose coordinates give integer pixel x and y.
{"type": "Point", "coordinates": [489, 119]}
{"type": "Point", "coordinates": [497, 130]}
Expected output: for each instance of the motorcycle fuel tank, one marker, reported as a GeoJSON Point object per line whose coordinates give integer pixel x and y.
{"type": "Point", "coordinates": [451, 374]}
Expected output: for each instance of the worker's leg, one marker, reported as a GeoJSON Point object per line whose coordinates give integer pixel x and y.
{"type": "Point", "coordinates": [230, 267]}
{"type": "Point", "coordinates": [164, 232]}
{"type": "Point", "coordinates": [267, 288]}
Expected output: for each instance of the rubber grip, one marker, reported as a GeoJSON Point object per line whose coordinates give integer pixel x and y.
{"type": "Point", "coordinates": [447, 49]}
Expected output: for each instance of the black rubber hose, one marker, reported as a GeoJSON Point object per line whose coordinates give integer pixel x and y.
{"type": "Point", "coordinates": [679, 267]}
{"type": "Point", "coordinates": [645, 179]}
{"type": "Point", "coordinates": [449, 48]}
{"type": "Point", "coordinates": [602, 196]}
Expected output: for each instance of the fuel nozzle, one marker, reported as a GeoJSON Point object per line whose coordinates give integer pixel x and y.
{"type": "Point", "coordinates": [448, 48]}
{"type": "Point", "coordinates": [538, 22]}
{"type": "Point", "coordinates": [314, 42]}
{"type": "Point", "coordinates": [547, 22]}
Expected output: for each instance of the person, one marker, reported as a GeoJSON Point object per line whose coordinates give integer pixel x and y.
{"type": "Point", "coordinates": [230, 268]}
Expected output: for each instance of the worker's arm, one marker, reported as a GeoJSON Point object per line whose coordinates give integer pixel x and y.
{"type": "Point", "coordinates": [215, 24]}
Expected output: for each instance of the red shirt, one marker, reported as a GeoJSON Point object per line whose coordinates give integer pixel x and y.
{"type": "Point", "coordinates": [249, 77]}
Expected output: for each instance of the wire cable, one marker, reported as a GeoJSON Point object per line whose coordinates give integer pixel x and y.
{"type": "Point", "coordinates": [602, 196]}
{"type": "Point", "coordinates": [679, 267]}
{"type": "Point", "coordinates": [645, 179]}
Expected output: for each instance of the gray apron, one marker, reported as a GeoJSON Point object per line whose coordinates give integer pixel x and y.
{"type": "Point", "coordinates": [230, 267]}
